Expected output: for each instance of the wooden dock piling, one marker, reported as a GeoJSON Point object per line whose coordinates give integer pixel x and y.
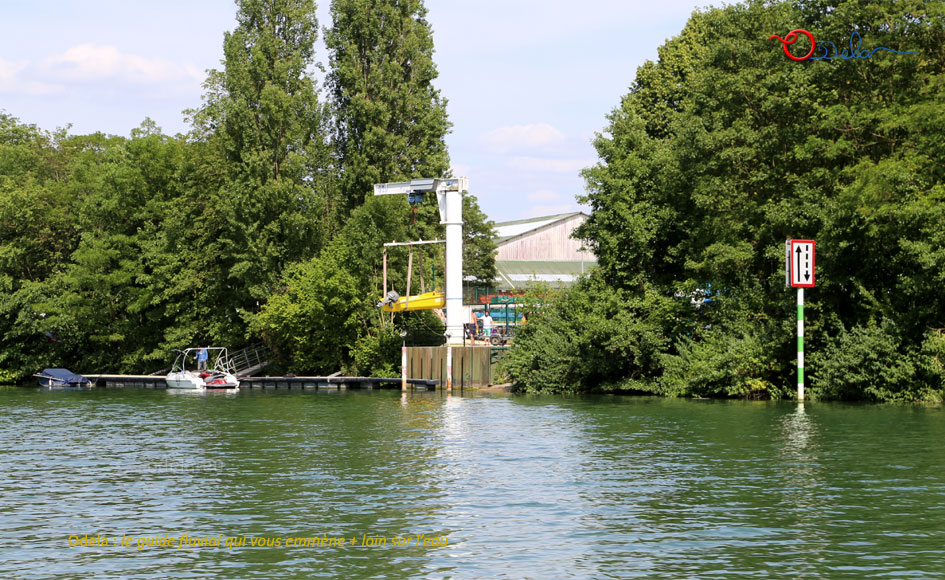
{"type": "Point", "coordinates": [469, 366]}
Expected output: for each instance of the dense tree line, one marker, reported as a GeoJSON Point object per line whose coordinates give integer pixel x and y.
{"type": "Point", "coordinates": [256, 224]}
{"type": "Point", "coordinates": [722, 150]}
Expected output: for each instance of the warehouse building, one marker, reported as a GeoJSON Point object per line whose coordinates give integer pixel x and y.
{"type": "Point", "coordinates": [530, 251]}
{"type": "Point", "coordinates": [541, 250]}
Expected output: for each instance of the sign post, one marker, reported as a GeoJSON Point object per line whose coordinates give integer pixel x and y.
{"type": "Point", "coordinates": [799, 273]}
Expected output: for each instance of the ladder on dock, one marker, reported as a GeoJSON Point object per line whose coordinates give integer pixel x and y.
{"type": "Point", "coordinates": [249, 360]}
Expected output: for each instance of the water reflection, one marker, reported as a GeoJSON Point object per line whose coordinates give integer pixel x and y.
{"type": "Point", "coordinates": [807, 497]}
{"type": "Point", "coordinates": [509, 478]}
{"type": "Point", "coordinates": [799, 449]}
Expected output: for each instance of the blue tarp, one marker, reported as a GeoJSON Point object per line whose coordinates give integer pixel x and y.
{"type": "Point", "coordinates": [62, 376]}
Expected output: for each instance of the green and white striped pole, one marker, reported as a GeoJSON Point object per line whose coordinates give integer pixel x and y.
{"type": "Point", "coordinates": [800, 344]}
{"type": "Point", "coordinates": [799, 273]}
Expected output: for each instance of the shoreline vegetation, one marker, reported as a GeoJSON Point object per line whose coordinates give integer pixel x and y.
{"type": "Point", "coordinates": [723, 149]}
{"type": "Point", "coordinates": [258, 224]}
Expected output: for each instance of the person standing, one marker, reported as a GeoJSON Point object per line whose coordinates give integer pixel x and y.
{"type": "Point", "coordinates": [202, 357]}
{"type": "Point", "coordinates": [487, 325]}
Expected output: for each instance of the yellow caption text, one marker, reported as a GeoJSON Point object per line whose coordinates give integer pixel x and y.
{"type": "Point", "coordinates": [186, 541]}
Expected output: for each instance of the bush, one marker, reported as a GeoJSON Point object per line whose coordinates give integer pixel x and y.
{"type": "Point", "coordinates": [590, 338]}
{"type": "Point", "coordinates": [723, 364]}
{"type": "Point", "coordinates": [932, 364]}
{"type": "Point", "coordinates": [870, 363]}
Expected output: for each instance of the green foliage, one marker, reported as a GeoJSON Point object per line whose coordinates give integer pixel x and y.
{"type": "Point", "coordinates": [874, 362]}
{"type": "Point", "coordinates": [478, 243]}
{"type": "Point", "coordinates": [590, 337]}
{"type": "Point", "coordinates": [325, 318]}
{"type": "Point", "coordinates": [390, 122]}
{"type": "Point", "coordinates": [376, 352]}
{"type": "Point", "coordinates": [263, 114]}
{"type": "Point", "coordinates": [724, 364]}
{"type": "Point", "coordinates": [932, 363]}
{"type": "Point", "coordinates": [724, 148]}
{"type": "Point", "coordinates": [869, 362]}
{"type": "Point", "coordinates": [312, 324]}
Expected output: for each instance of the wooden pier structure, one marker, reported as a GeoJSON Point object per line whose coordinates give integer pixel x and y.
{"type": "Point", "coordinates": [471, 366]}
{"type": "Point", "coordinates": [426, 368]}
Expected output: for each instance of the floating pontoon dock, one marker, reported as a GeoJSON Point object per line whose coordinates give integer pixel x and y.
{"type": "Point", "coordinates": [158, 382]}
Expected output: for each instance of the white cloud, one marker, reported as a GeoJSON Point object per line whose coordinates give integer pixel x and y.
{"type": "Point", "coordinates": [102, 66]}
{"type": "Point", "coordinates": [553, 165]}
{"type": "Point", "coordinates": [14, 80]}
{"type": "Point", "coordinates": [511, 137]}
{"type": "Point", "coordinates": [90, 62]}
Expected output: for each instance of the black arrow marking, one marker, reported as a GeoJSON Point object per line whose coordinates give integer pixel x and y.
{"type": "Point", "coordinates": [798, 262]}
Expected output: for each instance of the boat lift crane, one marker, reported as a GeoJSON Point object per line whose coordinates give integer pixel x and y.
{"type": "Point", "coordinates": [449, 197]}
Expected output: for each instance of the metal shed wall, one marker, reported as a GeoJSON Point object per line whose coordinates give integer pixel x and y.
{"type": "Point", "coordinates": [551, 242]}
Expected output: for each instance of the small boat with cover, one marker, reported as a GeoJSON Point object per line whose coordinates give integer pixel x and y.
{"type": "Point", "coordinates": [394, 302]}
{"type": "Point", "coordinates": [219, 373]}
{"type": "Point", "coordinates": [61, 378]}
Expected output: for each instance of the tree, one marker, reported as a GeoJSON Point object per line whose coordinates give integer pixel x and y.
{"type": "Point", "coordinates": [263, 113]}
{"type": "Point", "coordinates": [324, 317]}
{"type": "Point", "coordinates": [36, 238]}
{"type": "Point", "coordinates": [478, 243]}
{"type": "Point", "coordinates": [724, 148]}
{"type": "Point", "coordinates": [390, 121]}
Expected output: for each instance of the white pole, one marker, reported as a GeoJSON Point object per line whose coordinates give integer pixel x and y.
{"type": "Point", "coordinates": [454, 266]}
{"type": "Point", "coordinates": [800, 344]}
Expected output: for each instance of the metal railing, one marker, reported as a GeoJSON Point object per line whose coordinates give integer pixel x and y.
{"type": "Point", "coordinates": [253, 357]}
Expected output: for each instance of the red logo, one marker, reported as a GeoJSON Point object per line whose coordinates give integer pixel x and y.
{"type": "Point", "coordinates": [791, 38]}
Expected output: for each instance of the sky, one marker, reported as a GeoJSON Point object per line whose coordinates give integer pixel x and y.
{"type": "Point", "coordinates": [528, 83]}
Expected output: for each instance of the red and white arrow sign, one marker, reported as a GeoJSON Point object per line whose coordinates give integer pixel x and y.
{"type": "Point", "coordinates": [801, 259]}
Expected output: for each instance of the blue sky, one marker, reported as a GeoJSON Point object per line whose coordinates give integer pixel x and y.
{"type": "Point", "coordinates": [528, 82]}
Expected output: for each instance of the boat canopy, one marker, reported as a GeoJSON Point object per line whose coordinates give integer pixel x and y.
{"type": "Point", "coordinates": [217, 356]}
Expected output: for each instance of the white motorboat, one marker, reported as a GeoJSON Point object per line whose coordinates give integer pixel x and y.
{"type": "Point", "coordinates": [219, 372]}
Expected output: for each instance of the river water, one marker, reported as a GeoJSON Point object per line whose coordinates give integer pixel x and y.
{"type": "Point", "coordinates": [498, 486]}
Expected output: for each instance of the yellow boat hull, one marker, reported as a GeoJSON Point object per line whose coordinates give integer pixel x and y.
{"type": "Point", "coordinates": [426, 301]}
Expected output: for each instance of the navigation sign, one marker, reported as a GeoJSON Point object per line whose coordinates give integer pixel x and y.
{"type": "Point", "coordinates": [799, 273]}
{"type": "Point", "coordinates": [800, 263]}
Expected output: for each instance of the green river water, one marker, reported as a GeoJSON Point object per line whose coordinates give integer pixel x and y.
{"type": "Point", "coordinates": [499, 486]}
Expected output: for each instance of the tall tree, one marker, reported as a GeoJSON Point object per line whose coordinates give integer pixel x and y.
{"type": "Point", "coordinates": [390, 122]}
{"type": "Point", "coordinates": [262, 111]}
